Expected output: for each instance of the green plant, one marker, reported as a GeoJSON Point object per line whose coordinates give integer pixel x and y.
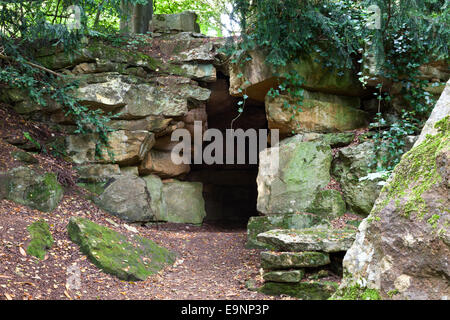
{"type": "Point", "coordinates": [336, 34]}
{"type": "Point", "coordinates": [26, 28]}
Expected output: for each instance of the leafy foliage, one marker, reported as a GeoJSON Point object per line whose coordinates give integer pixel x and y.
{"type": "Point", "coordinates": [25, 28]}
{"type": "Point", "coordinates": [209, 12]}
{"type": "Point", "coordinates": [410, 34]}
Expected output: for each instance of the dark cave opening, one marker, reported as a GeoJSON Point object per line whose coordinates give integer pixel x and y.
{"type": "Point", "coordinates": [229, 190]}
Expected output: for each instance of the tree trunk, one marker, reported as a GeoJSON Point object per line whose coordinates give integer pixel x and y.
{"type": "Point", "coordinates": [136, 17]}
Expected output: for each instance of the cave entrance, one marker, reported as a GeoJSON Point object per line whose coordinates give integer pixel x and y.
{"type": "Point", "coordinates": [230, 191]}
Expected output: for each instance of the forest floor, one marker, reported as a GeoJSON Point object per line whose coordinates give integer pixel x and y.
{"type": "Point", "coordinates": [212, 261]}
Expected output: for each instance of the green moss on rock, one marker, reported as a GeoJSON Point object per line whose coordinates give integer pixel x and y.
{"type": "Point", "coordinates": [25, 186]}
{"type": "Point", "coordinates": [41, 239]}
{"type": "Point", "coordinates": [128, 259]}
{"type": "Point", "coordinates": [356, 292]}
{"type": "Point", "coordinates": [416, 173]}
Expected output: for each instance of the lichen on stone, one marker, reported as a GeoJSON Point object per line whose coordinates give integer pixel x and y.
{"type": "Point", "coordinates": [417, 173]}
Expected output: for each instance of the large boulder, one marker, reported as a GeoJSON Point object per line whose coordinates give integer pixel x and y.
{"type": "Point", "coordinates": [256, 77]}
{"type": "Point", "coordinates": [402, 250]}
{"type": "Point", "coordinates": [321, 112]}
{"type": "Point", "coordinates": [127, 197]}
{"type": "Point", "coordinates": [128, 259]}
{"type": "Point", "coordinates": [351, 168]}
{"type": "Point", "coordinates": [302, 174]}
{"type": "Point", "coordinates": [28, 187]}
{"type": "Point", "coordinates": [184, 200]}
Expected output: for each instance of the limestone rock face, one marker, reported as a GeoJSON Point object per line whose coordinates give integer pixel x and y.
{"type": "Point", "coordinates": [303, 172]}
{"type": "Point", "coordinates": [25, 186]}
{"type": "Point", "coordinates": [125, 147]}
{"type": "Point", "coordinates": [402, 250]}
{"type": "Point", "coordinates": [311, 239]}
{"type": "Point", "coordinates": [160, 163]}
{"type": "Point", "coordinates": [258, 77]}
{"type": "Point", "coordinates": [184, 202]}
{"type": "Point", "coordinates": [128, 259]}
{"type": "Point", "coordinates": [321, 112]}
{"type": "Point", "coordinates": [352, 164]}
{"type": "Point", "coordinates": [131, 98]}
{"type": "Point", "coordinates": [127, 197]}
{"type": "Point", "coordinates": [97, 172]}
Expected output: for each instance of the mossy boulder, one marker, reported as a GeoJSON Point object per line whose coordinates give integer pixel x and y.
{"type": "Point", "coordinates": [303, 170]}
{"type": "Point", "coordinates": [289, 276]}
{"type": "Point", "coordinates": [25, 186]}
{"type": "Point", "coordinates": [311, 239]}
{"type": "Point", "coordinates": [41, 239]}
{"type": "Point", "coordinates": [289, 260]}
{"type": "Point", "coordinates": [311, 290]}
{"type": "Point", "coordinates": [402, 249]}
{"type": "Point", "coordinates": [131, 259]}
{"type": "Point", "coordinates": [257, 225]}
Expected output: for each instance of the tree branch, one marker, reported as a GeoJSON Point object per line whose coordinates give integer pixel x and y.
{"type": "Point", "coordinates": [2, 56]}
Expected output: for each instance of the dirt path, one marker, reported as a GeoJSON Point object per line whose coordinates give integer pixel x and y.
{"type": "Point", "coordinates": [212, 262]}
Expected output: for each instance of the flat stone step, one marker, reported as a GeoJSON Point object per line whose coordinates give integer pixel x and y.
{"type": "Point", "coordinates": [311, 239]}
{"type": "Point", "coordinates": [289, 260]}
{"type": "Point", "coordinates": [257, 225]}
{"type": "Point", "coordinates": [291, 276]}
{"type": "Point", "coordinates": [314, 290]}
